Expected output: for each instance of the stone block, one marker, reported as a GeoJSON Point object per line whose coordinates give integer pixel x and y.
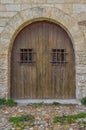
{"type": "Point", "coordinates": [77, 8]}
{"type": "Point", "coordinates": [83, 1]}
{"type": "Point", "coordinates": [68, 8]}
{"type": "Point", "coordinates": [17, 1]}
{"type": "Point", "coordinates": [13, 7]}
{"type": "Point", "coordinates": [81, 69]}
{"type": "Point", "coordinates": [7, 1]}
{"type": "Point", "coordinates": [7, 14]}
{"type": "Point", "coordinates": [3, 21]}
{"type": "Point", "coordinates": [4, 48]}
{"type": "Point", "coordinates": [6, 34]}
{"type": "Point", "coordinates": [39, 1]}
{"type": "Point", "coordinates": [16, 22]}
{"type": "Point", "coordinates": [81, 58]}
{"type": "Point", "coordinates": [72, 1]}
{"type": "Point", "coordinates": [2, 7]}
{"type": "Point", "coordinates": [27, 1]}
{"type": "Point", "coordinates": [25, 6]}
{"type": "Point", "coordinates": [59, 6]}
{"type": "Point", "coordinates": [1, 29]}
{"type": "Point", "coordinates": [55, 1]}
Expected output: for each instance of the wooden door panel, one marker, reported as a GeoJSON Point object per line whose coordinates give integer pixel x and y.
{"type": "Point", "coordinates": [43, 79]}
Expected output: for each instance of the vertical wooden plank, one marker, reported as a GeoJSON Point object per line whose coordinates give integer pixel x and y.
{"type": "Point", "coordinates": [43, 61]}
{"type": "Point", "coordinates": [37, 61]}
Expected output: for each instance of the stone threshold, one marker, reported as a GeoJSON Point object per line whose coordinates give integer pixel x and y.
{"type": "Point", "coordinates": [48, 101]}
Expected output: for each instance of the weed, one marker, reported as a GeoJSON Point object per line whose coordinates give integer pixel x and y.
{"type": "Point", "coordinates": [21, 118]}
{"type": "Point", "coordinates": [69, 118]}
{"type": "Point", "coordinates": [2, 101]}
{"type": "Point", "coordinates": [56, 103]}
{"type": "Point", "coordinates": [40, 104]}
{"type": "Point", "coordinates": [83, 101]}
{"type": "Point", "coordinates": [7, 102]}
{"type": "Point", "coordinates": [10, 102]}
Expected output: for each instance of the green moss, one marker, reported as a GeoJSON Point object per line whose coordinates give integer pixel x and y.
{"type": "Point", "coordinates": [21, 118]}
{"type": "Point", "coordinates": [69, 118]}
{"type": "Point", "coordinates": [40, 104]}
{"type": "Point", "coordinates": [7, 102]}
{"type": "Point", "coordinates": [56, 103]}
{"type": "Point", "coordinates": [2, 101]}
{"type": "Point", "coordinates": [83, 101]}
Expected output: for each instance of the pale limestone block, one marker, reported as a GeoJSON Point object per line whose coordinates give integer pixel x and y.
{"type": "Point", "coordinates": [83, 29]}
{"type": "Point", "coordinates": [16, 22]}
{"type": "Point", "coordinates": [55, 1]}
{"type": "Point", "coordinates": [39, 1]}
{"type": "Point", "coordinates": [77, 8]}
{"type": "Point", "coordinates": [4, 50]}
{"type": "Point", "coordinates": [82, 60]}
{"type": "Point", "coordinates": [44, 5]}
{"type": "Point", "coordinates": [17, 1]}
{"type": "Point", "coordinates": [7, 1]}
{"type": "Point", "coordinates": [83, 1]}
{"type": "Point", "coordinates": [1, 29]}
{"type": "Point", "coordinates": [3, 62]}
{"type": "Point", "coordinates": [27, 1]}
{"type": "Point", "coordinates": [13, 7]}
{"type": "Point", "coordinates": [79, 45]}
{"type": "Point", "coordinates": [3, 21]}
{"type": "Point", "coordinates": [3, 41]}
{"type": "Point", "coordinates": [76, 34]}
{"type": "Point", "coordinates": [26, 15]}
{"type": "Point", "coordinates": [25, 6]}
{"type": "Point", "coordinates": [3, 90]}
{"type": "Point", "coordinates": [2, 7]}
{"type": "Point", "coordinates": [59, 6]}
{"type": "Point", "coordinates": [68, 8]}
{"type": "Point", "coordinates": [81, 69]}
{"type": "Point", "coordinates": [80, 16]}
{"type": "Point", "coordinates": [4, 46]}
{"type": "Point", "coordinates": [8, 30]}
{"type": "Point", "coordinates": [6, 34]}
{"type": "Point", "coordinates": [69, 23]}
{"type": "Point", "coordinates": [38, 12]}
{"type": "Point", "coordinates": [7, 14]}
{"type": "Point", "coordinates": [72, 1]}
{"type": "Point", "coordinates": [32, 13]}
{"type": "Point", "coordinates": [49, 13]}
{"type": "Point", "coordinates": [57, 15]}
{"type": "Point", "coordinates": [68, 20]}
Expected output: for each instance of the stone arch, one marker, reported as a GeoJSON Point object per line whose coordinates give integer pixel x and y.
{"type": "Point", "coordinates": [23, 18]}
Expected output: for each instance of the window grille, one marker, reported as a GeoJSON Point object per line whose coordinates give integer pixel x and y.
{"type": "Point", "coordinates": [58, 56]}
{"type": "Point", "coordinates": [26, 55]}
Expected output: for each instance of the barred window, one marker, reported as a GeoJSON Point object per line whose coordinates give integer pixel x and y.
{"type": "Point", "coordinates": [26, 55]}
{"type": "Point", "coordinates": [58, 56]}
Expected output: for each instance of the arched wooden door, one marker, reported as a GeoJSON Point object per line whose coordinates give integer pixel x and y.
{"type": "Point", "coordinates": [42, 63]}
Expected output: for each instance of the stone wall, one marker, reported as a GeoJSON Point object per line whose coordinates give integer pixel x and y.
{"type": "Point", "coordinates": [74, 12]}
{"type": "Point", "coordinates": [8, 8]}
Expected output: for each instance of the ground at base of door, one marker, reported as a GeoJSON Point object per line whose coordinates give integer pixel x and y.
{"type": "Point", "coordinates": [43, 116]}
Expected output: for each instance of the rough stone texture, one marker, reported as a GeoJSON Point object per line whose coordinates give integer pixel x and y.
{"type": "Point", "coordinates": [43, 115]}
{"type": "Point", "coordinates": [71, 14]}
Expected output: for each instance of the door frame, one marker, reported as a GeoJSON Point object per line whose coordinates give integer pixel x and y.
{"type": "Point", "coordinates": [26, 24]}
